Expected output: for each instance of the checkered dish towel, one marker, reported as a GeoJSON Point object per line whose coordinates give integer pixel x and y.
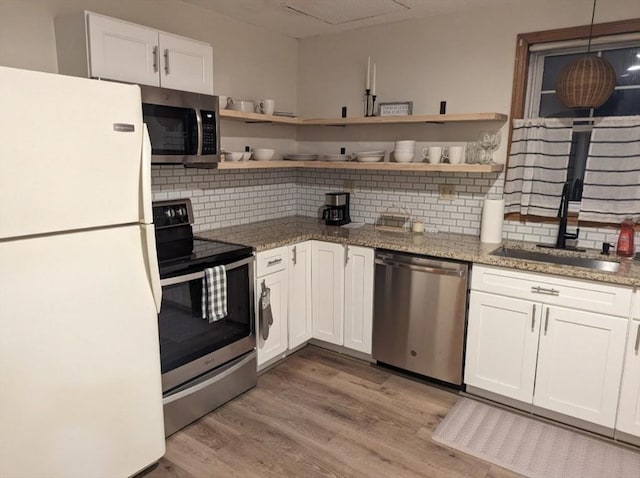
{"type": "Point", "coordinates": [214, 293]}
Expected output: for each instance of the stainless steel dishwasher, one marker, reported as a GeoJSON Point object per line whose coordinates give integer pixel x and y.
{"type": "Point", "coordinates": [419, 314]}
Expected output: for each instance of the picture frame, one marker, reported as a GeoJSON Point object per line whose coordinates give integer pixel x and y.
{"type": "Point", "coordinates": [396, 108]}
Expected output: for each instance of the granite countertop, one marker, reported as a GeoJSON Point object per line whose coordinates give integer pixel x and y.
{"type": "Point", "coordinates": [264, 235]}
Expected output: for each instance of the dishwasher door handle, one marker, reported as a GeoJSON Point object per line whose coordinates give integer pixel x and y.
{"type": "Point", "coordinates": [417, 268]}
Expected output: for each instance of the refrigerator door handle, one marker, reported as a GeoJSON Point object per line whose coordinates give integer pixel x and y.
{"type": "Point", "coordinates": [152, 264]}
{"type": "Point", "coordinates": [145, 178]}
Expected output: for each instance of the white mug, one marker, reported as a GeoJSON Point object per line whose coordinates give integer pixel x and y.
{"type": "Point", "coordinates": [222, 101]}
{"type": "Point", "coordinates": [266, 107]}
{"type": "Point", "coordinates": [434, 154]}
{"type": "Point", "coordinates": [456, 154]}
{"type": "Point", "coordinates": [245, 106]}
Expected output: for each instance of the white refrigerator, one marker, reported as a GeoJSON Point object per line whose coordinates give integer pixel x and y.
{"type": "Point", "coordinates": [80, 389]}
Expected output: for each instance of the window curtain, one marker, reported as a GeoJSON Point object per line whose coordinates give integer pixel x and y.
{"type": "Point", "coordinates": [611, 191]}
{"type": "Point", "coordinates": [537, 168]}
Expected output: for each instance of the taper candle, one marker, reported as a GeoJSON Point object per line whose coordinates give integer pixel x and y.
{"type": "Point", "coordinates": [373, 86]}
{"type": "Point", "coordinates": [368, 73]}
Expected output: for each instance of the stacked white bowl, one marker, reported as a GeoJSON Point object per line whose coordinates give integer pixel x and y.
{"type": "Point", "coordinates": [404, 151]}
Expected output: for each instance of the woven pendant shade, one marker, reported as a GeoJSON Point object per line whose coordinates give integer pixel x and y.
{"type": "Point", "coordinates": [587, 82]}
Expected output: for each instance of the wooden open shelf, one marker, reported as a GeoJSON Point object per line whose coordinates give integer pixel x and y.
{"type": "Point", "coordinates": [258, 117]}
{"type": "Point", "coordinates": [372, 120]}
{"type": "Point", "coordinates": [381, 166]}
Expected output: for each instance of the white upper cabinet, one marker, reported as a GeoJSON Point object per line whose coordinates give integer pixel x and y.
{"type": "Point", "coordinates": [122, 51]}
{"type": "Point", "coordinates": [186, 65]}
{"type": "Point", "coordinates": [97, 46]}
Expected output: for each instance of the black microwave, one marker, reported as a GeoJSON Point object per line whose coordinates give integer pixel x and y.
{"type": "Point", "coordinates": [184, 127]}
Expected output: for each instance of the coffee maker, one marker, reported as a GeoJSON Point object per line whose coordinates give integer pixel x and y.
{"type": "Point", "coordinates": [336, 211]}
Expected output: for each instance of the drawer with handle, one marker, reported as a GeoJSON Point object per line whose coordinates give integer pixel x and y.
{"type": "Point", "coordinates": [574, 293]}
{"type": "Point", "coordinates": [270, 261]}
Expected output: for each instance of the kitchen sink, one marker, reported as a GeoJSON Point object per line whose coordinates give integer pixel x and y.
{"type": "Point", "coordinates": [597, 264]}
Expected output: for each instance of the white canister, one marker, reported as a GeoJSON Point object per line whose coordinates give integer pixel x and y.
{"type": "Point", "coordinates": [492, 221]}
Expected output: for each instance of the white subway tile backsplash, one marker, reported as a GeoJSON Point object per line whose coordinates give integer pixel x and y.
{"type": "Point", "coordinates": [225, 198]}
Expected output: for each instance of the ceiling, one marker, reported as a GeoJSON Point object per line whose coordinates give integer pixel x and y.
{"type": "Point", "coordinates": [307, 18]}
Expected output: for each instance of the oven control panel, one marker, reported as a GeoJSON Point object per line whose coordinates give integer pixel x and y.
{"type": "Point", "coordinates": [172, 213]}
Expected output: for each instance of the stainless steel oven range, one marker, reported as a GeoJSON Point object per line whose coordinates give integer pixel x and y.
{"type": "Point", "coordinates": [204, 364]}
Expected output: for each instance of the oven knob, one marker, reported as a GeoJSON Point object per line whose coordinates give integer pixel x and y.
{"type": "Point", "coordinates": [170, 213]}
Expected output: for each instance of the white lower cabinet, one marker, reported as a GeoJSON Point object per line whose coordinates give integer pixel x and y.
{"type": "Point", "coordinates": [318, 290]}
{"type": "Point", "coordinates": [300, 320]}
{"type": "Point", "coordinates": [327, 276]}
{"type": "Point", "coordinates": [358, 299]}
{"type": "Point", "coordinates": [629, 407]}
{"type": "Point", "coordinates": [502, 345]}
{"type": "Point", "coordinates": [277, 282]}
{"type": "Point", "coordinates": [342, 278]}
{"type": "Point", "coordinates": [580, 363]}
{"type": "Point", "coordinates": [540, 348]}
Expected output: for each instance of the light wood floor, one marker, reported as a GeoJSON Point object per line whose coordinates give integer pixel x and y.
{"type": "Point", "coordinates": [319, 413]}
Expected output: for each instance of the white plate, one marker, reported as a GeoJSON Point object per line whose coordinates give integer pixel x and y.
{"type": "Point", "coordinates": [370, 159]}
{"type": "Point", "coordinates": [302, 157]}
{"type": "Point", "coordinates": [336, 157]}
{"type": "Point", "coordinates": [380, 152]}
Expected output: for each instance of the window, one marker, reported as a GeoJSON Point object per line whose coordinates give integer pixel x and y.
{"type": "Point", "coordinates": [539, 62]}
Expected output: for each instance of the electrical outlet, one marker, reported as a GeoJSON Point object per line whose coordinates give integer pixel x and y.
{"type": "Point", "coordinates": [348, 184]}
{"type": "Point", "coordinates": [447, 191]}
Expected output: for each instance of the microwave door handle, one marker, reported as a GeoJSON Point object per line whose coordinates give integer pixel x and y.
{"type": "Point", "coordinates": [200, 131]}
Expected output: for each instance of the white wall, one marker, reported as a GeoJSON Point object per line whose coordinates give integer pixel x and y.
{"type": "Point", "coordinates": [465, 59]}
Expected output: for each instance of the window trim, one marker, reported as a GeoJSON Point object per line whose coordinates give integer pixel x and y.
{"type": "Point", "coordinates": [524, 41]}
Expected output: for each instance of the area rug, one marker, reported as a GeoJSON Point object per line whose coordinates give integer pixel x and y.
{"type": "Point", "coordinates": [531, 447]}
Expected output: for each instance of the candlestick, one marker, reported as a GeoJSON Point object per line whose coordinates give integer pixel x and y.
{"type": "Point", "coordinates": [373, 86]}
{"type": "Point", "coordinates": [368, 73]}
{"type": "Point", "coordinates": [373, 105]}
{"type": "Point", "coordinates": [367, 94]}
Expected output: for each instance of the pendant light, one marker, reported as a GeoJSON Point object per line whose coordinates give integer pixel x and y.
{"type": "Point", "coordinates": [588, 81]}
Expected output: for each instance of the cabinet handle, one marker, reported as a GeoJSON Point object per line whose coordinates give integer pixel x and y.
{"type": "Point", "coordinates": [274, 262]}
{"type": "Point", "coordinates": [295, 255]}
{"type": "Point", "coordinates": [166, 61]}
{"type": "Point", "coordinates": [637, 347]}
{"type": "Point", "coordinates": [346, 255]}
{"type": "Point", "coordinates": [546, 321]}
{"type": "Point", "coordinates": [533, 318]}
{"type": "Point", "coordinates": [155, 59]}
{"type": "Point", "coordinates": [545, 291]}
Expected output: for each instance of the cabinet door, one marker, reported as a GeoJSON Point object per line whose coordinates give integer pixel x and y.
{"type": "Point", "coordinates": [327, 280]}
{"type": "Point", "coordinates": [358, 299]}
{"type": "Point", "coordinates": [122, 51]}
{"type": "Point", "coordinates": [502, 342]}
{"type": "Point", "coordinates": [300, 322]}
{"type": "Point", "coordinates": [276, 343]}
{"type": "Point", "coordinates": [187, 65]}
{"type": "Point", "coordinates": [629, 409]}
{"type": "Point", "coordinates": [580, 364]}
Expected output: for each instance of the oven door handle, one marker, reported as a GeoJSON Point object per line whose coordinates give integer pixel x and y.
{"type": "Point", "coordinates": [200, 274]}
{"type": "Point", "coordinates": [208, 382]}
